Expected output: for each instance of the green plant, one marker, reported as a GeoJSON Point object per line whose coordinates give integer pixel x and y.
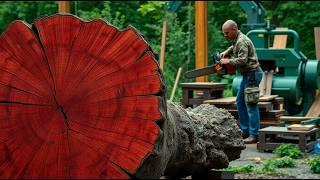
{"type": "Point", "coordinates": [314, 164]}
{"type": "Point", "coordinates": [268, 167]}
{"type": "Point", "coordinates": [289, 150]}
{"type": "Point", "coordinates": [284, 162]}
{"type": "Point", "coordinates": [241, 169]}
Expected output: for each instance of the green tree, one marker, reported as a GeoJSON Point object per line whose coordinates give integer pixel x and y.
{"type": "Point", "coordinates": [301, 16]}
{"type": "Point", "coordinates": [26, 11]}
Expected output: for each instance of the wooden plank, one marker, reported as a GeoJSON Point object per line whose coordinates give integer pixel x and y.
{"type": "Point", "coordinates": [175, 83]}
{"type": "Point", "coordinates": [269, 122]}
{"type": "Point", "coordinates": [267, 98]}
{"type": "Point", "coordinates": [262, 85]}
{"type": "Point", "coordinates": [274, 114]}
{"type": "Point", "coordinates": [226, 100]}
{"type": "Point", "coordinates": [299, 127]}
{"type": "Point", "coordinates": [206, 85]}
{"type": "Point", "coordinates": [317, 41]}
{"type": "Point", "coordinates": [274, 130]}
{"type": "Point", "coordinates": [269, 83]}
{"type": "Point", "coordinates": [285, 118]}
{"type": "Point", "coordinates": [294, 119]}
{"type": "Point", "coordinates": [201, 84]}
{"type": "Point", "coordinates": [280, 41]}
{"type": "Point", "coordinates": [314, 110]}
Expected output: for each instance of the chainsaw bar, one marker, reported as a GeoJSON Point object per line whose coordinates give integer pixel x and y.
{"type": "Point", "coordinates": [200, 72]}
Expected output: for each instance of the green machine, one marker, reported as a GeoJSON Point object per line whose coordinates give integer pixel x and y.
{"type": "Point", "coordinates": [297, 78]}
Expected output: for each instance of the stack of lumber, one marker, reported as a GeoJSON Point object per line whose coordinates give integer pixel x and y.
{"type": "Point", "coordinates": [270, 107]}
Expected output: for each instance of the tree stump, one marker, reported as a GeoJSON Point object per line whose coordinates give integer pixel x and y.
{"type": "Point", "coordinates": [83, 99]}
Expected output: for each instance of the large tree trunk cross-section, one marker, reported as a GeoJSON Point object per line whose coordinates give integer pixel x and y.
{"type": "Point", "coordinates": [85, 100]}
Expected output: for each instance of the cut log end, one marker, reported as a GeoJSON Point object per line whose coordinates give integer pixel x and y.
{"type": "Point", "coordinates": [85, 100]}
{"type": "Point", "coordinates": [78, 99]}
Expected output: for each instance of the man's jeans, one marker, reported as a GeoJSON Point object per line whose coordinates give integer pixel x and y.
{"type": "Point", "coordinates": [249, 115]}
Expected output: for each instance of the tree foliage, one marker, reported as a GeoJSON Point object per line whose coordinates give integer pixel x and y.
{"type": "Point", "coordinates": [147, 17]}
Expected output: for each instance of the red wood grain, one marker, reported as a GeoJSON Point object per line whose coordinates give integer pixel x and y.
{"type": "Point", "coordinates": [77, 99]}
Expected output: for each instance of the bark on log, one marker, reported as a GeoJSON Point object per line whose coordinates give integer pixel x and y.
{"type": "Point", "coordinates": [85, 100]}
{"type": "Point", "coordinates": [193, 141]}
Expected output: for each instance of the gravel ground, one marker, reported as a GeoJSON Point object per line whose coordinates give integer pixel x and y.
{"type": "Point", "coordinates": [251, 156]}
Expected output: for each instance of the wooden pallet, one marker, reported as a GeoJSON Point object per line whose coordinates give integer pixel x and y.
{"type": "Point", "coordinates": [272, 137]}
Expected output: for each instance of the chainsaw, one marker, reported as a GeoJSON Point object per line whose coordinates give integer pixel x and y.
{"type": "Point", "coordinates": [217, 68]}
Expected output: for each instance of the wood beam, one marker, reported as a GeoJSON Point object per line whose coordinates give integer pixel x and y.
{"type": "Point", "coordinates": [163, 44]}
{"type": "Point", "coordinates": [201, 37]}
{"type": "Point", "coordinates": [64, 6]}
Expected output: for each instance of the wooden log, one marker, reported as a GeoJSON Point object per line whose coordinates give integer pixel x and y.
{"type": "Point", "coordinates": [86, 100]}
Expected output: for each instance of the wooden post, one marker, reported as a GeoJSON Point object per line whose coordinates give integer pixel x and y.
{"type": "Point", "coordinates": [201, 37]}
{"type": "Point", "coordinates": [176, 83]}
{"type": "Point", "coordinates": [64, 6]}
{"type": "Point", "coordinates": [163, 44]}
{"type": "Point", "coordinates": [317, 41]}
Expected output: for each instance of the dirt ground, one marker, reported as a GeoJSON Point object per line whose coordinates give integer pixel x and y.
{"type": "Point", "coordinates": [252, 156]}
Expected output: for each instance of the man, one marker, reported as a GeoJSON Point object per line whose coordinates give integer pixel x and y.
{"type": "Point", "coordinates": [244, 58]}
